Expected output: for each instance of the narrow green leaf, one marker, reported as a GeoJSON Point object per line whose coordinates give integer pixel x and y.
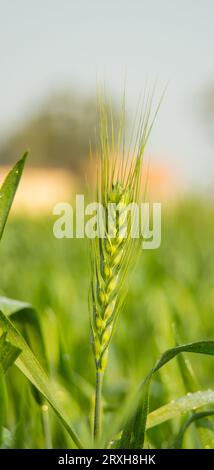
{"type": "Point", "coordinates": [194, 418]}
{"type": "Point", "coordinates": [32, 369]}
{"type": "Point", "coordinates": [189, 378]}
{"type": "Point", "coordinates": [8, 353]}
{"type": "Point", "coordinates": [191, 401]}
{"type": "Point", "coordinates": [2, 406]}
{"type": "Point", "coordinates": [138, 426]}
{"type": "Point", "coordinates": [8, 191]}
{"type": "Point", "coordinates": [125, 442]}
{"type": "Point", "coordinates": [11, 306]}
{"type": "Point", "coordinates": [26, 319]}
{"type": "Point", "coordinates": [205, 427]}
{"type": "Point", "coordinates": [7, 439]}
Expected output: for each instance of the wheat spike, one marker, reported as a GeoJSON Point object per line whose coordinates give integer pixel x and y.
{"type": "Point", "coordinates": [119, 173]}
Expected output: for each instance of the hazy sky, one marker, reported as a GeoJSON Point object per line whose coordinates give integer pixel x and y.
{"type": "Point", "coordinates": [51, 44]}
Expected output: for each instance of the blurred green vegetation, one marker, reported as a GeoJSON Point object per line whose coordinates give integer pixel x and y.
{"type": "Point", "coordinates": [171, 289]}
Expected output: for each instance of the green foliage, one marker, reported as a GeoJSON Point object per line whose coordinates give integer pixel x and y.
{"type": "Point", "coordinates": [2, 406]}
{"type": "Point", "coordinates": [134, 432]}
{"type": "Point", "coordinates": [191, 401]}
{"type": "Point", "coordinates": [31, 368]}
{"type": "Point", "coordinates": [8, 355]}
{"type": "Point", "coordinates": [8, 191]}
{"type": "Point", "coordinates": [165, 288]}
{"type": "Point", "coordinates": [26, 318]}
{"type": "Point", "coordinates": [8, 352]}
{"type": "Point", "coordinates": [194, 418]}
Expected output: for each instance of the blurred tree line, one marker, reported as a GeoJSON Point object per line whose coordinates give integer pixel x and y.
{"type": "Point", "coordinates": [207, 110]}
{"type": "Point", "coordinates": [58, 134]}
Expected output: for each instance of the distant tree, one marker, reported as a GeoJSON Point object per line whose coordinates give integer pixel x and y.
{"type": "Point", "coordinates": [207, 110]}
{"type": "Point", "coordinates": [58, 134]}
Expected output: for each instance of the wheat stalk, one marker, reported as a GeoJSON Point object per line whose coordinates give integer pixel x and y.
{"type": "Point", "coordinates": [119, 171]}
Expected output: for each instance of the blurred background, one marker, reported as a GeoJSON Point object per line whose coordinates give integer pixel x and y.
{"type": "Point", "coordinates": [52, 56]}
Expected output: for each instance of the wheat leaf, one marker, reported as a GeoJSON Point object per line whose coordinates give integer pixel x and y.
{"type": "Point", "coordinates": [191, 401]}
{"type": "Point", "coordinates": [8, 353]}
{"type": "Point", "coordinates": [194, 418]}
{"type": "Point", "coordinates": [138, 425]}
{"type": "Point", "coordinates": [31, 368]}
{"type": "Point", "coordinates": [8, 191]}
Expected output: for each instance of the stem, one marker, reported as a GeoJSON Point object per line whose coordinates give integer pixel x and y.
{"type": "Point", "coordinates": [98, 406]}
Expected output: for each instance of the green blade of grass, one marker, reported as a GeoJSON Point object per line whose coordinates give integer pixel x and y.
{"type": "Point", "coordinates": [194, 418]}
{"type": "Point", "coordinates": [12, 306]}
{"type": "Point", "coordinates": [2, 406]}
{"type": "Point", "coordinates": [31, 368]}
{"type": "Point", "coordinates": [205, 427]}
{"type": "Point", "coordinates": [27, 321]}
{"type": "Point", "coordinates": [191, 401]}
{"type": "Point", "coordinates": [8, 353]}
{"type": "Point", "coordinates": [134, 431]}
{"type": "Point", "coordinates": [8, 191]}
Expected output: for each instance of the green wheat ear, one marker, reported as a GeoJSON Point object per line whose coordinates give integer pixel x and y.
{"type": "Point", "coordinates": [119, 173]}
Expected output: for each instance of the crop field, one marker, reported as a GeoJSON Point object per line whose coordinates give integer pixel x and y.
{"type": "Point", "coordinates": [104, 344]}
{"type": "Point", "coordinates": [170, 301]}
{"type": "Point", "coordinates": [106, 233]}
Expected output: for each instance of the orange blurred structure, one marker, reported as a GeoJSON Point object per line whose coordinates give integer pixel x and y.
{"type": "Point", "coordinates": [41, 188]}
